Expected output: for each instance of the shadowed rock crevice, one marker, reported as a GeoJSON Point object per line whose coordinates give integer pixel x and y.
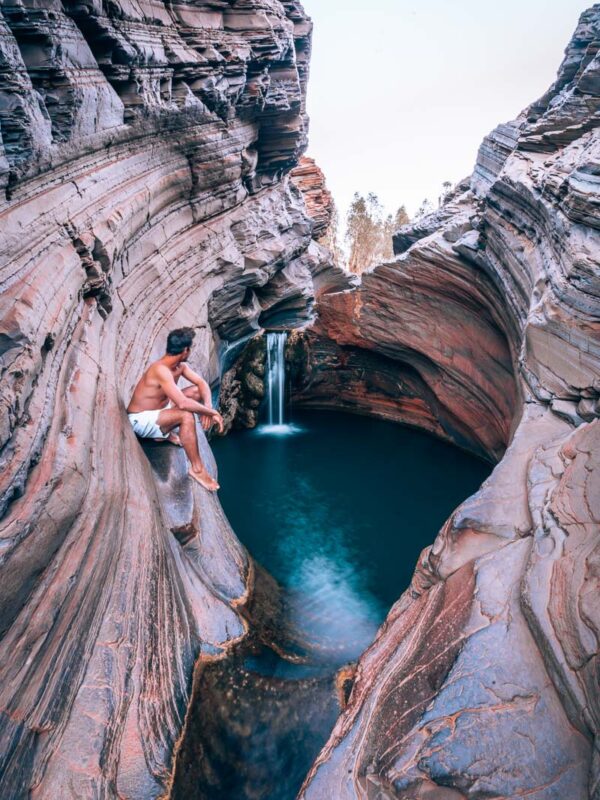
{"type": "Point", "coordinates": [268, 695]}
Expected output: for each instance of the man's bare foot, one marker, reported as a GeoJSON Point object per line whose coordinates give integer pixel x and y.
{"type": "Point", "coordinates": [204, 479]}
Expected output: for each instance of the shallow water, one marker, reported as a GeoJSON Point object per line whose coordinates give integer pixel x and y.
{"type": "Point", "coordinates": [337, 508]}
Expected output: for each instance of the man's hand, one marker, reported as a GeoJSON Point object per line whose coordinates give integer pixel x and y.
{"type": "Point", "coordinates": [208, 420]}
{"type": "Point", "coordinates": [218, 421]}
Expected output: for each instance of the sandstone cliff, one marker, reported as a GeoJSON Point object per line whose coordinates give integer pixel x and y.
{"type": "Point", "coordinates": [485, 329]}
{"type": "Point", "coordinates": [310, 179]}
{"type": "Point", "coordinates": [144, 156]}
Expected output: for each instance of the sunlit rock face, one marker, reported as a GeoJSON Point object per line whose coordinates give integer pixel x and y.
{"type": "Point", "coordinates": [144, 159]}
{"type": "Point", "coordinates": [309, 178]}
{"type": "Point", "coordinates": [485, 329]}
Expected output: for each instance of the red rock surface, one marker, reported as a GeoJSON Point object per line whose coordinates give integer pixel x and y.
{"type": "Point", "coordinates": [485, 329]}
{"type": "Point", "coordinates": [145, 153]}
{"type": "Point", "coordinates": [143, 167]}
{"type": "Point", "coordinates": [309, 178]}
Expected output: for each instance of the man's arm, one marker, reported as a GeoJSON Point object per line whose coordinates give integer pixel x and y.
{"type": "Point", "coordinates": [177, 397]}
{"type": "Point", "coordinates": [202, 385]}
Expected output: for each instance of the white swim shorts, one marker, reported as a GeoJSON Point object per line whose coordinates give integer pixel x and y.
{"type": "Point", "coordinates": [144, 424]}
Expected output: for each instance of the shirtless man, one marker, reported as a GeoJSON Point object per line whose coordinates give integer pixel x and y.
{"type": "Point", "coordinates": [158, 405]}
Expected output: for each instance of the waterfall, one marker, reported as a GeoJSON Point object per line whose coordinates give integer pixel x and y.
{"type": "Point", "coordinates": [276, 378]}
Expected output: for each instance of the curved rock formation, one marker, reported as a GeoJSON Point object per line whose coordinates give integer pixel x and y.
{"type": "Point", "coordinates": [145, 152]}
{"type": "Point", "coordinates": [144, 167]}
{"type": "Point", "coordinates": [309, 178]}
{"type": "Point", "coordinates": [483, 681]}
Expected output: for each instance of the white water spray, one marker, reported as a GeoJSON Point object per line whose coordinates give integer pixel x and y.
{"type": "Point", "coordinates": [275, 389]}
{"type": "Point", "coordinates": [276, 378]}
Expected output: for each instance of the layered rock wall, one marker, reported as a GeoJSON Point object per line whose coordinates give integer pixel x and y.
{"type": "Point", "coordinates": [310, 179]}
{"type": "Point", "coordinates": [485, 329]}
{"type": "Point", "coordinates": [243, 382]}
{"type": "Point", "coordinates": [144, 160]}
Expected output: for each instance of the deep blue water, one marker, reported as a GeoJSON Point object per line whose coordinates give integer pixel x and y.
{"type": "Point", "coordinates": [339, 511]}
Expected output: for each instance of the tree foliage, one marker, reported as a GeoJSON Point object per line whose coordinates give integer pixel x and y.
{"type": "Point", "coordinates": [427, 207]}
{"type": "Point", "coordinates": [369, 232]}
{"type": "Point", "coordinates": [446, 192]}
{"type": "Point", "coordinates": [424, 209]}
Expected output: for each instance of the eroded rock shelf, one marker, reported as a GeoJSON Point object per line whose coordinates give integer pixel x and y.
{"type": "Point", "coordinates": [145, 153]}
{"type": "Point", "coordinates": [144, 163]}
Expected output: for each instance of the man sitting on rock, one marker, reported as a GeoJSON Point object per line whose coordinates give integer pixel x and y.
{"type": "Point", "coordinates": [158, 405]}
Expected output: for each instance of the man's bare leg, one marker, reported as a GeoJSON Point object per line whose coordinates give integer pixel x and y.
{"type": "Point", "coordinates": [171, 418]}
{"type": "Point", "coordinates": [194, 394]}
{"type": "Point", "coordinates": [172, 438]}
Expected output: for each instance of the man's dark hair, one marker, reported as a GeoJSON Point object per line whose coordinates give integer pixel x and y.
{"type": "Point", "coordinates": [179, 339]}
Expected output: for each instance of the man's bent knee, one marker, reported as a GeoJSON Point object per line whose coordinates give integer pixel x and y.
{"type": "Point", "coordinates": [193, 392]}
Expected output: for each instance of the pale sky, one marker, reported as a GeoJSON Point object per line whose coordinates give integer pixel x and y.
{"type": "Point", "coordinates": [402, 92]}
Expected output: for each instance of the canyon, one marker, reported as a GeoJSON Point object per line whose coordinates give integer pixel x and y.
{"type": "Point", "coordinates": [145, 157]}
{"type": "Point", "coordinates": [485, 330]}
{"type": "Point", "coordinates": [151, 176]}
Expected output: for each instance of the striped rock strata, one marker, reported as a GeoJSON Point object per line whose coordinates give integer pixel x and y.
{"type": "Point", "coordinates": [144, 156]}
{"type": "Point", "coordinates": [485, 329]}
{"type": "Point", "coordinates": [309, 178]}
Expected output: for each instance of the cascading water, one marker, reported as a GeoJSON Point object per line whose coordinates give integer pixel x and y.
{"type": "Point", "coordinates": [275, 380]}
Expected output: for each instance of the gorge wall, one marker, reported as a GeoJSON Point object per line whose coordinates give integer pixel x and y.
{"type": "Point", "coordinates": [144, 160]}
{"type": "Point", "coordinates": [144, 165]}
{"type": "Point", "coordinates": [485, 330]}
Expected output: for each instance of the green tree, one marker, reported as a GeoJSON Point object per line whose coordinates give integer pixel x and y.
{"type": "Point", "coordinates": [369, 233]}
{"type": "Point", "coordinates": [446, 191]}
{"type": "Point", "coordinates": [401, 218]}
{"type": "Point", "coordinates": [362, 231]}
{"type": "Point", "coordinates": [390, 226]}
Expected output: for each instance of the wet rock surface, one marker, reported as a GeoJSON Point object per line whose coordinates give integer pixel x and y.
{"type": "Point", "coordinates": [487, 326]}
{"type": "Point", "coordinates": [243, 387]}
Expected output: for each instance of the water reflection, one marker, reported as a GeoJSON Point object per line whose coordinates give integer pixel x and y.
{"type": "Point", "coordinates": [330, 599]}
